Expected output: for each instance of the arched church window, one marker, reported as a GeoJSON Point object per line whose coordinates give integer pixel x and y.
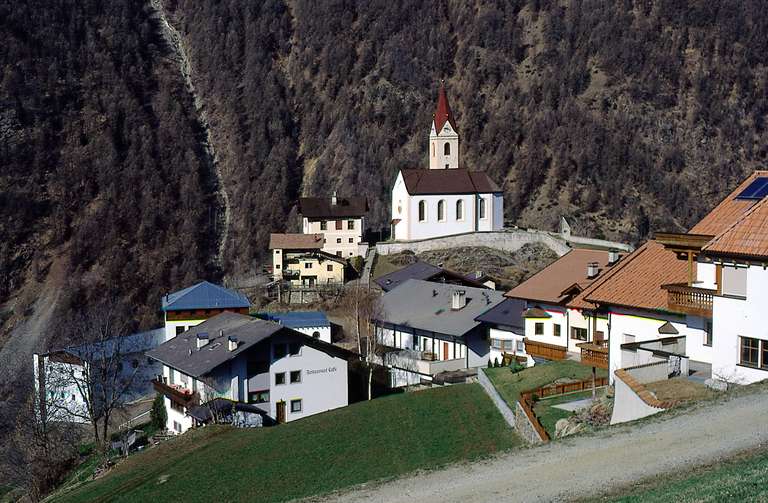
{"type": "Point", "coordinates": [481, 208]}
{"type": "Point", "coordinates": [460, 209]}
{"type": "Point", "coordinates": [422, 211]}
{"type": "Point", "coordinates": [441, 210]}
{"type": "Point", "coordinates": [447, 149]}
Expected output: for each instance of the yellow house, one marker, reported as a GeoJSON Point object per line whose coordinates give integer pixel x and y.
{"type": "Point", "coordinates": [299, 260]}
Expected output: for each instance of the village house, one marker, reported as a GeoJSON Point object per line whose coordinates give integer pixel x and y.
{"type": "Point", "coordinates": [195, 304]}
{"type": "Point", "coordinates": [695, 300]}
{"type": "Point", "coordinates": [428, 328]}
{"type": "Point", "coordinates": [284, 374]}
{"type": "Point", "coordinates": [312, 323]}
{"type": "Point", "coordinates": [67, 380]}
{"type": "Point", "coordinates": [506, 331]}
{"type": "Point", "coordinates": [341, 221]}
{"type": "Point", "coordinates": [556, 318]}
{"type": "Point", "coordinates": [424, 271]}
{"type": "Point", "coordinates": [445, 199]}
{"type": "Point", "coordinates": [299, 259]}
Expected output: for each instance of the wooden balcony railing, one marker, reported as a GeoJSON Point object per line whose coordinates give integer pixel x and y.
{"type": "Point", "coordinates": [686, 299]}
{"type": "Point", "coordinates": [178, 394]}
{"type": "Point", "coordinates": [544, 350]}
{"type": "Point", "coordinates": [594, 354]}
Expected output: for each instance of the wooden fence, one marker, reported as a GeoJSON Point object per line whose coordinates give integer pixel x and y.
{"type": "Point", "coordinates": [526, 402]}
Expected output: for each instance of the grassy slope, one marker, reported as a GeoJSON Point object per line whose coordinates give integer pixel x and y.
{"type": "Point", "coordinates": [510, 385]}
{"type": "Point", "coordinates": [365, 441]}
{"type": "Point", "coordinates": [744, 478]}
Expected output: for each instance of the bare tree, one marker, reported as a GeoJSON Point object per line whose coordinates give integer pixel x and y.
{"type": "Point", "coordinates": [89, 380]}
{"type": "Point", "coordinates": [363, 310]}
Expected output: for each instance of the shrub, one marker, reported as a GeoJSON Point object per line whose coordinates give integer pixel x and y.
{"type": "Point", "coordinates": [496, 362]}
{"type": "Point", "coordinates": [490, 364]}
{"type": "Point", "coordinates": [158, 415]}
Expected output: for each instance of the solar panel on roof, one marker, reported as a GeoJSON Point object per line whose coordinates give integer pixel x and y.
{"type": "Point", "coordinates": [758, 189]}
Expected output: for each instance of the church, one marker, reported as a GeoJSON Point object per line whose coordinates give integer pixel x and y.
{"type": "Point", "coordinates": [445, 199]}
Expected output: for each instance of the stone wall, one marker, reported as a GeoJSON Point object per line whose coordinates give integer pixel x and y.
{"type": "Point", "coordinates": [524, 427]}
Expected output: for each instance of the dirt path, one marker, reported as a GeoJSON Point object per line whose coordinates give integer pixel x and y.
{"type": "Point", "coordinates": [590, 465]}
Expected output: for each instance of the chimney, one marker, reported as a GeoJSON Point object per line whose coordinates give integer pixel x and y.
{"type": "Point", "coordinates": [613, 257]}
{"type": "Point", "coordinates": [202, 340]}
{"type": "Point", "coordinates": [478, 274]}
{"type": "Point", "coordinates": [591, 269]}
{"type": "Point", "coordinates": [334, 200]}
{"type": "Point", "coordinates": [232, 343]}
{"type": "Point", "coordinates": [221, 332]}
{"type": "Point", "coordinates": [458, 299]}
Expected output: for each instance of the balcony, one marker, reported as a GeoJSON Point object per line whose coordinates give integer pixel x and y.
{"type": "Point", "coordinates": [423, 362]}
{"type": "Point", "coordinates": [594, 354]}
{"type": "Point", "coordinates": [176, 392]}
{"type": "Point", "coordinates": [685, 299]}
{"type": "Point", "coordinates": [543, 350]}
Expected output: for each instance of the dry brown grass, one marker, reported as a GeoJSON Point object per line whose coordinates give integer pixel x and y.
{"type": "Point", "coordinates": [680, 389]}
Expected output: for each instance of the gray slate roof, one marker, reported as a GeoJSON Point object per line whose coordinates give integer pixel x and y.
{"type": "Point", "coordinates": [508, 313]}
{"type": "Point", "coordinates": [427, 306]}
{"type": "Point", "coordinates": [204, 295]}
{"type": "Point", "coordinates": [417, 270]}
{"type": "Point", "coordinates": [176, 352]}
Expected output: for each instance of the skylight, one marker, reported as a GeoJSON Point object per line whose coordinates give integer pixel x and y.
{"type": "Point", "coordinates": [758, 189]}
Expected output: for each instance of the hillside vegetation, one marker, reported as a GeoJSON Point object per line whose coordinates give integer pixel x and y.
{"type": "Point", "coordinates": [364, 442]}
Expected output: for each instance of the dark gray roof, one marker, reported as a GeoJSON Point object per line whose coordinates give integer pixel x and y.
{"type": "Point", "coordinates": [204, 295]}
{"type": "Point", "coordinates": [417, 270]}
{"type": "Point", "coordinates": [323, 207]}
{"type": "Point", "coordinates": [427, 306]}
{"type": "Point", "coordinates": [182, 354]}
{"type": "Point", "coordinates": [508, 313]}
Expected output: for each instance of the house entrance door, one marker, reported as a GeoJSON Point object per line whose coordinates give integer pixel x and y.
{"type": "Point", "coordinates": [280, 411]}
{"type": "Point", "coordinates": [445, 350]}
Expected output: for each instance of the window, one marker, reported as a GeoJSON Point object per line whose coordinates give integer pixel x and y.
{"type": "Point", "coordinates": [258, 396]}
{"type": "Point", "coordinates": [279, 350]}
{"type": "Point", "coordinates": [177, 427]}
{"type": "Point", "coordinates": [508, 345]}
{"type": "Point", "coordinates": [277, 252]}
{"type": "Point", "coordinates": [351, 240]}
{"type": "Point", "coordinates": [294, 348]}
{"type": "Point", "coordinates": [179, 330]}
{"type": "Point", "coordinates": [277, 266]}
{"type": "Point", "coordinates": [338, 253]}
{"type": "Point", "coordinates": [330, 268]}
{"type": "Point", "coordinates": [307, 265]}
{"type": "Point", "coordinates": [177, 407]}
{"type": "Point", "coordinates": [579, 334]}
{"type": "Point", "coordinates": [416, 342]}
{"type": "Point", "coordinates": [481, 208]}
{"type": "Point", "coordinates": [447, 149]}
{"type": "Point", "coordinates": [521, 346]}
{"type": "Point", "coordinates": [323, 225]}
{"type": "Point", "coordinates": [708, 333]}
{"type": "Point", "coordinates": [280, 378]}
{"type": "Point", "coordinates": [447, 166]}
{"type": "Point", "coordinates": [441, 211]}
{"type": "Point", "coordinates": [750, 352]}
{"type": "Point", "coordinates": [296, 405]}
{"type": "Point", "coordinates": [422, 211]}
{"type": "Point", "coordinates": [538, 328]}
{"type": "Point", "coordinates": [295, 376]}
{"type": "Point", "coordinates": [339, 225]}
{"type": "Point", "coordinates": [460, 210]}
{"type": "Point", "coordinates": [350, 225]}
{"type": "Point", "coordinates": [135, 363]}
{"type": "Point", "coordinates": [556, 330]}
{"type": "Point", "coordinates": [338, 241]}
{"type": "Point", "coordinates": [496, 343]}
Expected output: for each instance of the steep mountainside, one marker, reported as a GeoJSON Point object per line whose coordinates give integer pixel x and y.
{"type": "Point", "coordinates": [139, 139]}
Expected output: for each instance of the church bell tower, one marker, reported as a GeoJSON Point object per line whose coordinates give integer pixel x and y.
{"type": "Point", "coordinates": [443, 138]}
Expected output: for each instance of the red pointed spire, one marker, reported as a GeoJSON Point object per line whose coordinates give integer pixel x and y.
{"type": "Point", "coordinates": [443, 112]}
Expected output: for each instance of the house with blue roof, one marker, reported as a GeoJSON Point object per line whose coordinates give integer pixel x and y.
{"type": "Point", "coordinates": [312, 323]}
{"type": "Point", "coordinates": [195, 304]}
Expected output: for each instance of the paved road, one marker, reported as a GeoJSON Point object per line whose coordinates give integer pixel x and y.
{"type": "Point", "coordinates": [589, 465]}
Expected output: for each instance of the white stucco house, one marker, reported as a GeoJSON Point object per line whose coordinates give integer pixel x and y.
{"type": "Point", "coordinates": [700, 295]}
{"type": "Point", "coordinates": [265, 368]}
{"type": "Point", "coordinates": [312, 323]}
{"type": "Point", "coordinates": [340, 220]}
{"type": "Point", "coordinates": [506, 331]}
{"type": "Point", "coordinates": [445, 199]}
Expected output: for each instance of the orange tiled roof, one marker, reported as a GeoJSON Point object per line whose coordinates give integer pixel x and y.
{"type": "Point", "coordinates": [728, 211]}
{"type": "Point", "coordinates": [549, 284]}
{"type": "Point", "coordinates": [747, 236]}
{"type": "Point", "coordinates": [636, 281]}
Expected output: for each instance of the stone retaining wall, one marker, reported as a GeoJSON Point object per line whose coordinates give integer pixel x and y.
{"type": "Point", "coordinates": [524, 428]}
{"type": "Point", "coordinates": [510, 241]}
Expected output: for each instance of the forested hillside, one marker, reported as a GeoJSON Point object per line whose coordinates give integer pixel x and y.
{"type": "Point", "coordinates": [627, 117]}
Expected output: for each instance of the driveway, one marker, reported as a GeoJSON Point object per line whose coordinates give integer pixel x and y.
{"type": "Point", "coordinates": [589, 465]}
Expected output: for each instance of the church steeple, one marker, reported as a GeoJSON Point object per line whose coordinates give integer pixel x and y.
{"type": "Point", "coordinates": [443, 137]}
